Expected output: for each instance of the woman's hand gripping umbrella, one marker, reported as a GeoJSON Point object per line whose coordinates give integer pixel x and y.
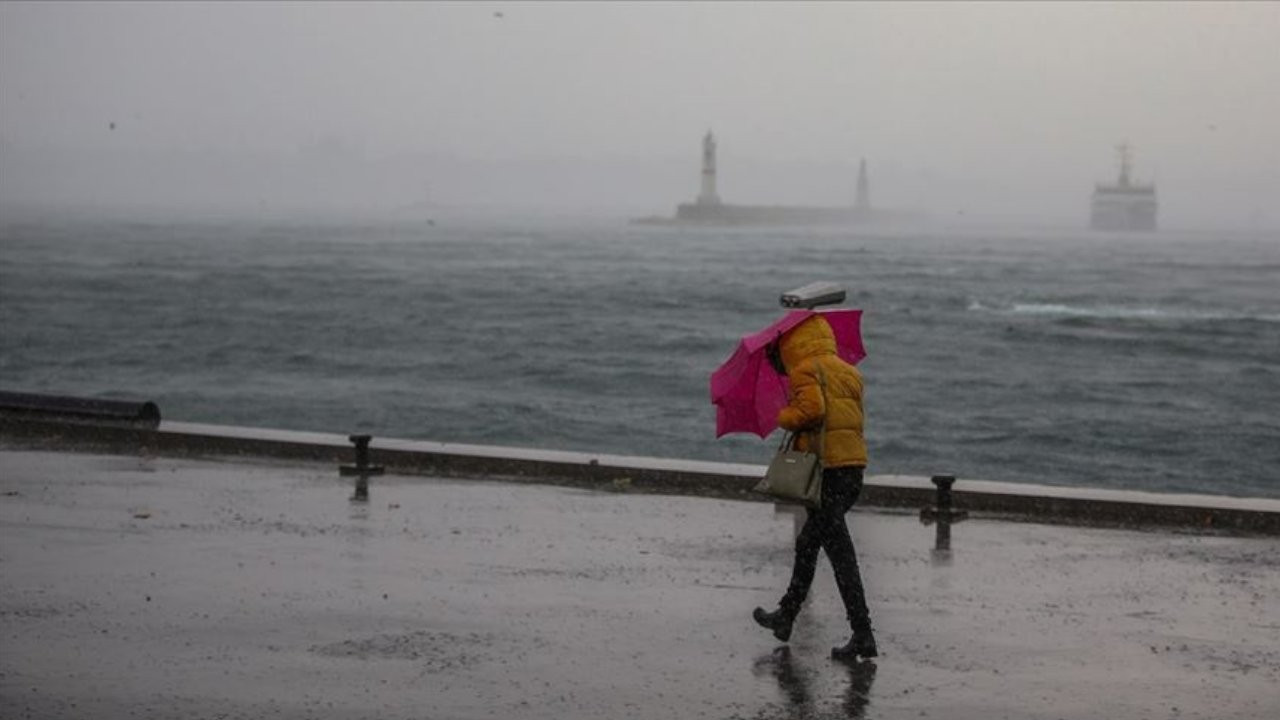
{"type": "Point", "coordinates": [748, 392]}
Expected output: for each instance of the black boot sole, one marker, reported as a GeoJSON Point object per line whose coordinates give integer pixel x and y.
{"type": "Point", "coordinates": [852, 657]}
{"type": "Point", "coordinates": [782, 631]}
{"type": "Point", "coordinates": [851, 652]}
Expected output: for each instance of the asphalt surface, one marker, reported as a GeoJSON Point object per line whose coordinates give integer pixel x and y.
{"type": "Point", "coordinates": [158, 588]}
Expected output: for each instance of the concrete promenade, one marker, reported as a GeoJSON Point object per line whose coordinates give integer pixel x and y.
{"type": "Point", "coordinates": [1010, 501]}
{"type": "Point", "coordinates": [141, 587]}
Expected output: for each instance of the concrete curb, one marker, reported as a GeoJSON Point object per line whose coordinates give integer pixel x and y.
{"type": "Point", "coordinates": [1014, 501]}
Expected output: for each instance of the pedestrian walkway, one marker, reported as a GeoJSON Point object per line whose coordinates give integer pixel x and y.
{"type": "Point", "coordinates": [160, 588]}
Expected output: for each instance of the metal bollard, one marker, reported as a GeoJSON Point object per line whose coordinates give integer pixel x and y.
{"type": "Point", "coordinates": [944, 483]}
{"type": "Point", "coordinates": [942, 512]}
{"type": "Point", "coordinates": [362, 469]}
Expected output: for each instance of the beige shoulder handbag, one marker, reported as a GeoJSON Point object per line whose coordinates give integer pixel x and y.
{"type": "Point", "coordinates": [794, 476]}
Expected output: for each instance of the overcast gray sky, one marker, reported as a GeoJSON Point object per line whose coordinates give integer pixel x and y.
{"type": "Point", "coordinates": [986, 109]}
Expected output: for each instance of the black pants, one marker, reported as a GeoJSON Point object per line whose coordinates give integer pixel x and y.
{"type": "Point", "coordinates": [825, 529]}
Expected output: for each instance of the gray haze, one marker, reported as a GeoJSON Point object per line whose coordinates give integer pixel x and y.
{"type": "Point", "coordinates": [1007, 110]}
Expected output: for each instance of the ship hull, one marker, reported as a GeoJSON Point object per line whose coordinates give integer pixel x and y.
{"type": "Point", "coordinates": [1123, 211]}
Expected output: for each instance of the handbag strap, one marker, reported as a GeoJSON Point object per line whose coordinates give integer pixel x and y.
{"type": "Point", "coordinates": [822, 429]}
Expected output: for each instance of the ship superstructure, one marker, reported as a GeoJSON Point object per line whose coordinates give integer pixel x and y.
{"type": "Point", "coordinates": [1124, 205]}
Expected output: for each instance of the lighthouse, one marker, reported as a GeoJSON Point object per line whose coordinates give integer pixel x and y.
{"type": "Point", "coordinates": [708, 196]}
{"type": "Point", "coordinates": [863, 202]}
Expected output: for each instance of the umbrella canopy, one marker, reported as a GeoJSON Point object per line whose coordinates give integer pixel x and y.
{"type": "Point", "coordinates": [748, 392]}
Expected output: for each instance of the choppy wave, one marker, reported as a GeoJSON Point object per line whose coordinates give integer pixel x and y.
{"type": "Point", "coordinates": [1122, 312]}
{"type": "Point", "coordinates": [601, 339]}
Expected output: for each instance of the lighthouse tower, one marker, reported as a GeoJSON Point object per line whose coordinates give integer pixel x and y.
{"type": "Point", "coordinates": [708, 195]}
{"type": "Point", "coordinates": [863, 202]}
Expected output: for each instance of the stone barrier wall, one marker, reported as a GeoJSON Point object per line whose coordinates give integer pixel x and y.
{"type": "Point", "coordinates": [1014, 501]}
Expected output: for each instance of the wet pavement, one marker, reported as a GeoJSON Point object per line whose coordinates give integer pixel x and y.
{"type": "Point", "coordinates": [159, 588]}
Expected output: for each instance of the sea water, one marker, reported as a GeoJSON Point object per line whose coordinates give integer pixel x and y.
{"type": "Point", "coordinates": [1142, 362]}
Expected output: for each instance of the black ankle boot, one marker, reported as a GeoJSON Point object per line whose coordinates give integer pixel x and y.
{"type": "Point", "coordinates": [861, 645]}
{"type": "Point", "coordinates": [777, 621]}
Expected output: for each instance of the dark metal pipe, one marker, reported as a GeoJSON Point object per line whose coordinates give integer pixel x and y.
{"type": "Point", "coordinates": [361, 469]}
{"type": "Point", "coordinates": [942, 513]}
{"type": "Point", "coordinates": [32, 406]}
{"type": "Point", "coordinates": [362, 449]}
{"type": "Point", "coordinates": [943, 483]}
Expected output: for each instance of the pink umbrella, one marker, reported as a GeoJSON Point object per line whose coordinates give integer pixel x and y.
{"type": "Point", "coordinates": [746, 390]}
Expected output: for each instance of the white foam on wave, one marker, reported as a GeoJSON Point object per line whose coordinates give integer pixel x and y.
{"type": "Point", "coordinates": [1121, 312]}
{"type": "Point", "coordinates": [1101, 311]}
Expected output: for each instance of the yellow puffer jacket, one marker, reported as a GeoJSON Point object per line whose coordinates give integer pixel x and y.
{"type": "Point", "coordinates": [804, 349]}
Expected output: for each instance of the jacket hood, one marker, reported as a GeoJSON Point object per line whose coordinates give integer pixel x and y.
{"type": "Point", "coordinates": [811, 338]}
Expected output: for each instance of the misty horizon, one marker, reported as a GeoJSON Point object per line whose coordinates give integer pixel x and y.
{"type": "Point", "coordinates": [961, 111]}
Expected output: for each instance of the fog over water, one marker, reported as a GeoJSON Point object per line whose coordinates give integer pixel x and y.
{"type": "Point", "coordinates": [1002, 111]}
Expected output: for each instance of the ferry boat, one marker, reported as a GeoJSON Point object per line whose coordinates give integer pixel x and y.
{"type": "Point", "coordinates": [1124, 205]}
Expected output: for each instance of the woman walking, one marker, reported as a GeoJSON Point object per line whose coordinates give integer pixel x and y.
{"type": "Point", "coordinates": [824, 388]}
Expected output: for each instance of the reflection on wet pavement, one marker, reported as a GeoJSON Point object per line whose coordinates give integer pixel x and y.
{"type": "Point", "coordinates": [164, 588]}
{"type": "Point", "coordinates": [799, 699]}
